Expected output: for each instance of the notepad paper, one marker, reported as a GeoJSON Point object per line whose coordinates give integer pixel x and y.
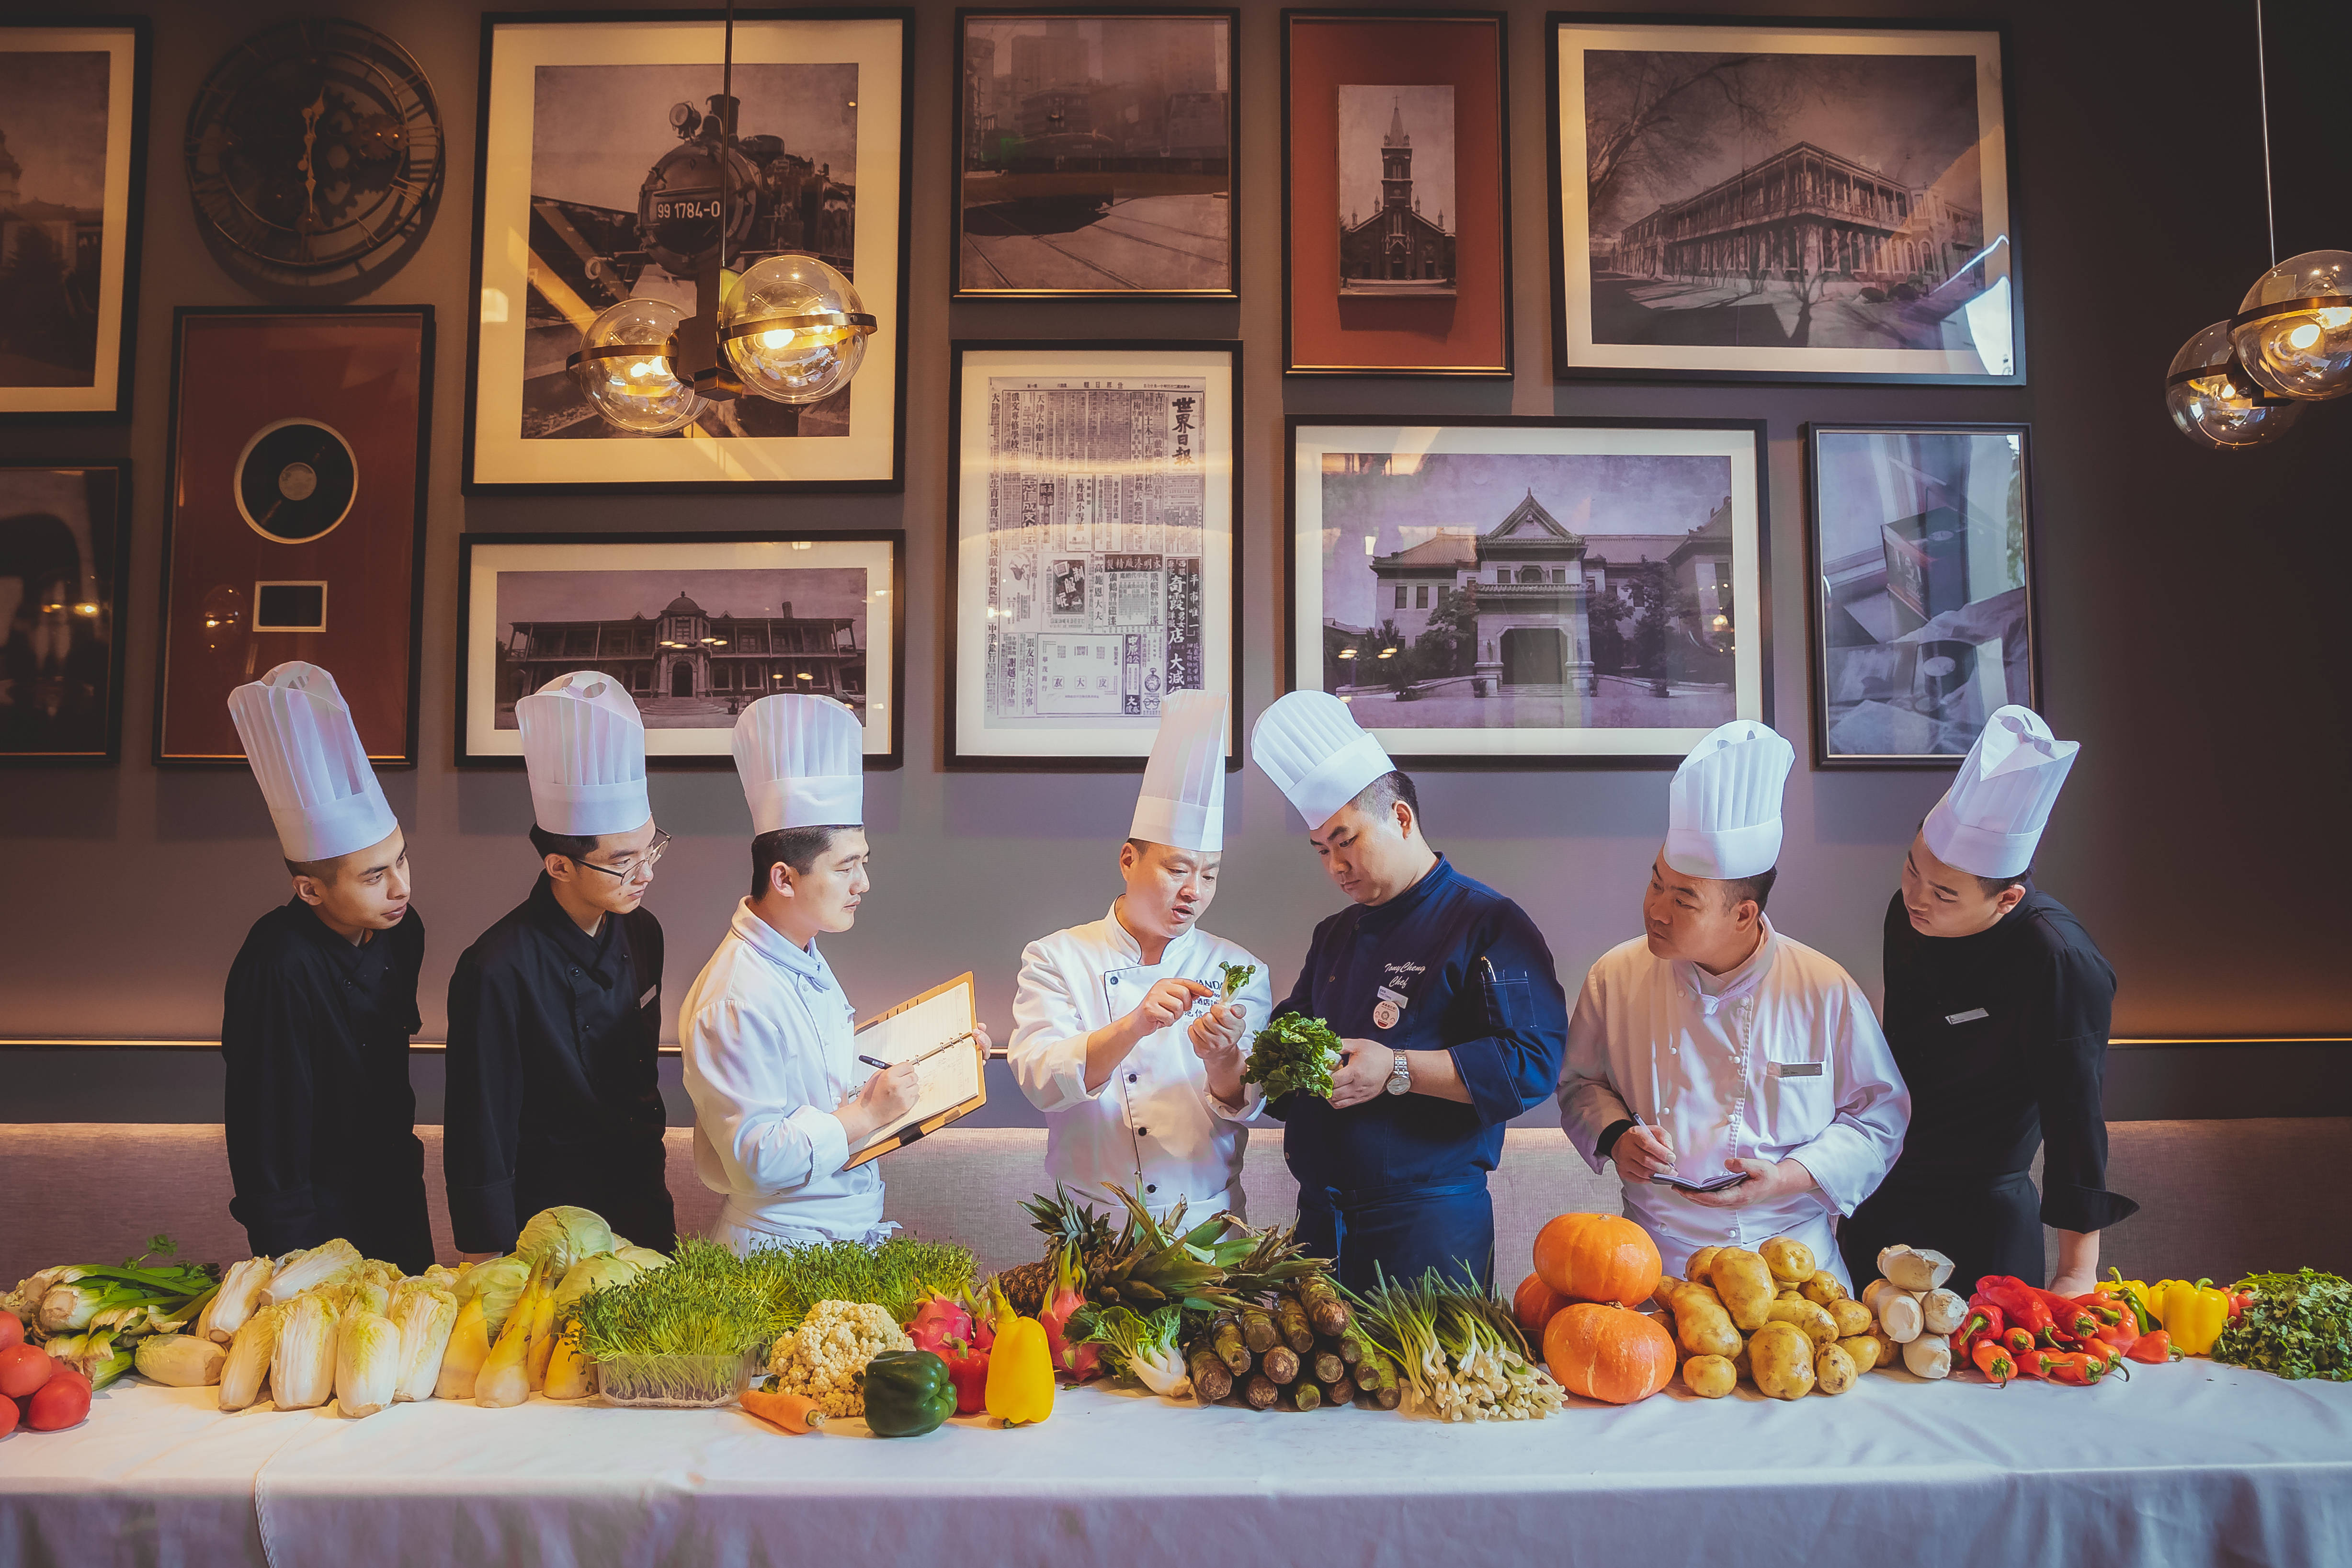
{"type": "Point", "coordinates": [952, 1082]}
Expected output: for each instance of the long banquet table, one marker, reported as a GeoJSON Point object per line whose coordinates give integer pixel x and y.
{"type": "Point", "coordinates": [2193, 1463]}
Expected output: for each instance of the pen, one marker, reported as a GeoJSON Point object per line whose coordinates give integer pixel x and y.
{"type": "Point", "coordinates": [869, 1061]}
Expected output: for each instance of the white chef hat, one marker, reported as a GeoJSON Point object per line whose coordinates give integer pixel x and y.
{"type": "Point", "coordinates": [1182, 801]}
{"type": "Point", "coordinates": [802, 759]}
{"type": "Point", "coordinates": [1315, 753]}
{"type": "Point", "coordinates": [1722, 815]}
{"type": "Point", "coordinates": [1991, 820]}
{"type": "Point", "coordinates": [307, 756]}
{"type": "Point", "coordinates": [585, 747]}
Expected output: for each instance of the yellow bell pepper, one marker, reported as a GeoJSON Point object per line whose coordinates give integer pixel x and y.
{"type": "Point", "coordinates": [2195, 1315]}
{"type": "Point", "coordinates": [1020, 1369]}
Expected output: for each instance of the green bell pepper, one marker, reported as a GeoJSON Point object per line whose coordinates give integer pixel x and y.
{"type": "Point", "coordinates": [907, 1393]}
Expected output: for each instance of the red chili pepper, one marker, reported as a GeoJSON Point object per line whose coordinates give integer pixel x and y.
{"type": "Point", "coordinates": [1994, 1363]}
{"type": "Point", "coordinates": [2077, 1367]}
{"type": "Point", "coordinates": [2122, 1335]}
{"type": "Point", "coordinates": [2109, 1358]}
{"type": "Point", "coordinates": [2239, 1301]}
{"type": "Point", "coordinates": [2153, 1349]}
{"type": "Point", "coordinates": [2077, 1318]}
{"type": "Point", "coordinates": [1984, 1322]}
{"type": "Point", "coordinates": [2019, 1342]}
{"type": "Point", "coordinates": [2019, 1302]}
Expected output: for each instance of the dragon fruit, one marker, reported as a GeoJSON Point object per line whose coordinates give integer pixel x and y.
{"type": "Point", "coordinates": [1073, 1362]}
{"type": "Point", "coordinates": [938, 1319]}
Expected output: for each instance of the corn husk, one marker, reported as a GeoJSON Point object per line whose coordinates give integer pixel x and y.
{"type": "Point", "coordinates": [302, 1363]}
{"type": "Point", "coordinates": [334, 1262]}
{"type": "Point", "coordinates": [367, 1364]}
{"type": "Point", "coordinates": [249, 1354]}
{"type": "Point", "coordinates": [239, 1295]}
{"type": "Point", "coordinates": [570, 1374]}
{"type": "Point", "coordinates": [461, 1361]}
{"type": "Point", "coordinates": [180, 1361]}
{"type": "Point", "coordinates": [425, 1318]}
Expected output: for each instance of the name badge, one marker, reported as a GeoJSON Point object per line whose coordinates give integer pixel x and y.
{"type": "Point", "coordinates": [651, 992]}
{"type": "Point", "coordinates": [1796, 1070]}
{"type": "Point", "coordinates": [1970, 1016]}
{"type": "Point", "coordinates": [1386, 994]}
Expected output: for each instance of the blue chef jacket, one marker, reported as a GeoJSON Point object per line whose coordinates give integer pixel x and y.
{"type": "Point", "coordinates": [1477, 980]}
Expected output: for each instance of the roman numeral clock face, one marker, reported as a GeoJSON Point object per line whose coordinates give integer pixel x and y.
{"type": "Point", "coordinates": [313, 146]}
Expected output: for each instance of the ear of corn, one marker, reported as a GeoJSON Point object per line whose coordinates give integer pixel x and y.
{"type": "Point", "coordinates": [468, 1348]}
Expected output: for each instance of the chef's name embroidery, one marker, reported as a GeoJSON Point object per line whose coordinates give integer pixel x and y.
{"type": "Point", "coordinates": [1406, 968]}
{"type": "Point", "coordinates": [1970, 1016]}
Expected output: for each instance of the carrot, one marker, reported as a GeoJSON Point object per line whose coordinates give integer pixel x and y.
{"type": "Point", "coordinates": [792, 1412]}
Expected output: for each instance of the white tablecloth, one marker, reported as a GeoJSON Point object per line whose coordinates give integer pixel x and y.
{"type": "Point", "coordinates": [2192, 1463]}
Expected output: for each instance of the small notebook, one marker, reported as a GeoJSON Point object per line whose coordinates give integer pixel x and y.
{"type": "Point", "coordinates": [1713, 1184]}
{"type": "Point", "coordinates": [954, 1081]}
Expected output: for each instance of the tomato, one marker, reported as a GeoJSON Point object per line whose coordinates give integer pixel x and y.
{"type": "Point", "coordinates": [23, 1369]}
{"type": "Point", "coordinates": [62, 1402]}
{"type": "Point", "coordinates": [8, 1414]}
{"type": "Point", "coordinates": [12, 1331]}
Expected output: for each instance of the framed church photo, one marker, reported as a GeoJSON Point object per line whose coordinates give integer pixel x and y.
{"type": "Point", "coordinates": [63, 582]}
{"type": "Point", "coordinates": [695, 626]}
{"type": "Point", "coordinates": [1530, 593]}
{"type": "Point", "coordinates": [1396, 193]}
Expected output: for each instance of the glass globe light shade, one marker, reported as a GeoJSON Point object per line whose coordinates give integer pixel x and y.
{"type": "Point", "coordinates": [2206, 392]}
{"type": "Point", "coordinates": [794, 328]}
{"type": "Point", "coordinates": [624, 368]}
{"type": "Point", "coordinates": [2304, 352]}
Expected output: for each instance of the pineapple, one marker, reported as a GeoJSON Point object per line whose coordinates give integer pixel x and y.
{"type": "Point", "coordinates": [1147, 1263]}
{"type": "Point", "coordinates": [1063, 1220]}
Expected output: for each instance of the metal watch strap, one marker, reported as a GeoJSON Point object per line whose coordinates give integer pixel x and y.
{"type": "Point", "coordinates": [1400, 1075]}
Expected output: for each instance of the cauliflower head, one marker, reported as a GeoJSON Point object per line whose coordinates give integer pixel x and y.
{"type": "Point", "coordinates": [822, 1357]}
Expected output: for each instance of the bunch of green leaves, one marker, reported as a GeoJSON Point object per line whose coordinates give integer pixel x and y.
{"type": "Point", "coordinates": [1236, 975]}
{"type": "Point", "coordinates": [706, 1303]}
{"type": "Point", "coordinates": [896, 1276]}
{"type": "Point", "coordinates": [1293, 1053]}
{"type": "Point", "coordinates": [2298, 1325]}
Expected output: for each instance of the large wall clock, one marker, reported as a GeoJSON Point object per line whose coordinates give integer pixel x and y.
{"type": "Point", "coordinates": [313, 146]}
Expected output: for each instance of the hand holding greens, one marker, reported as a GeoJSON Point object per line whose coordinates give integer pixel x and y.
{"type": "Point", "coordinates": [1293, 1053]}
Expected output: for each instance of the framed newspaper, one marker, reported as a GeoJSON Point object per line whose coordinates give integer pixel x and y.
{"type": "Point", "coordinates": [1094, 493]}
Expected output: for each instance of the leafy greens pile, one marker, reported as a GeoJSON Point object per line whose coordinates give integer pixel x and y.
{"type": "Point", "coordinates": [2298, 1325]}
{"type": "Point", "coordinates": [1293, 1053]}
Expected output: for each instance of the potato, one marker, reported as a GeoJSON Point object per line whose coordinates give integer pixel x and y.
{"type": "Point", "coordinates": [1851, 1317]}
{"type": "Point", "coordinates": [1788, 1293]}
{"type": "Point", "coordinates": [1833, 1370]}
{"type": "Point", "coordinates": [1664, 1294]}
{"type": "Point", "coordinates": [1861, 1349]}
{"type": "Point", "coordinates": [1701, 1324]}
{"type": "Point", "coordinates": [1791, 1262]}
{"type": "Point", "coordinates": [1700, 1261]}
{"type": "Point", "coordinates": [1743, 1365]}
{"type": "Point", "coordinates": [1783, 1358]}
{"type": "Point", "coordinates": [1890, 1354]}
{"type": "Point", "coordinates": [1745, 1282]}
{"type": "Point", "coordinates": [1822, 1288]}
{"type": "Point", "coordinates": [1710, 1377]}
{"type": "Point", "coordinates": [1819, 1326]}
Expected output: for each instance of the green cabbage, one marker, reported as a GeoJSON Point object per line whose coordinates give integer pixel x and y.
{"type": "Point", "coordinates": [499, 1281]}
{"type": "Point", "coordinates": [562, 1237]}
{"type": "Point", "coordinates": [596, 1272]}
{"type": "Point", "coordinates": [645, 1257]}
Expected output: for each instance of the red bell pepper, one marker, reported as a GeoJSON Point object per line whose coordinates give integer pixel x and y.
{"type": "Point", "coordinates": [2019, 1302]}
{"type": "Point", "coordinates": [1994, 1361]}
{"type": "Point", "coordinates": [2153, 1348]}
{"type": "Point", "coordinates": [968, 1370]}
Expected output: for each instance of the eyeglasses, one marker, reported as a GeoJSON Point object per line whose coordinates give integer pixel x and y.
{"type": "Point", "coordinates": [637, 869]}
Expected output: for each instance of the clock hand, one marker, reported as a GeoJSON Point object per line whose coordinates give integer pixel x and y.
{"type": "Point", "coordinates": [310, 143]}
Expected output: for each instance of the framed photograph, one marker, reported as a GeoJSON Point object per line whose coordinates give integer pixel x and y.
{"type": "Point", "coordinates": [1396, 193]}
{"type": "Point", "coordinates": [296, 528]}
{"type": "Point", "coordinates": [64, 575]}
{"type": "Point", "coordinates": [73, 161]}
{"type": "Point", "coordinates": [696, 625]}
{"type": "Point", "coordinates": [1095, 154]}
{"type": "Point", "coordinates": [1922, 551]}
{"type": "Point", "coordinates": [1769, 201]}
{"type": "Point", "coordinates": [598, 180]}
{"type": "Point", "coordinates": [1529, 592]}
{"type": "Point", "coordinates": [1094, 498]}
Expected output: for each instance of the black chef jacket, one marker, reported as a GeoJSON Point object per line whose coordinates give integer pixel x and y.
{"type": "Point", "coordinates": [553, 1095]}
{"type": "Point", "coordinates": [320, 1119]}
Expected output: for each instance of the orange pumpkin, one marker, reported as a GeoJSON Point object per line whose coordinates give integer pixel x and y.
{"type": "Point", "coordinates": [1534, 1305]}
{"type": "Point", "coordinates": [1598, 1258]}
{"type": "Point", "coordinates": [1606, 1351]}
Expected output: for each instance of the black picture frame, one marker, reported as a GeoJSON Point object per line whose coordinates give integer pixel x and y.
{"type": "Point", "coordinates": [468, 756]}
{"type": "Point", "coordinates": [1566, 367]}
{"type": "Point", "coordinates": [1819, 589]}
{"type": "Point", "coordinates": [1534, 760]}
{"type": "Point", "coordinates": [965, 16]}
{"type": "Point", "coordinates": [956, 758]}
{"type": "Point", "coordinates": [472, 484]}
{"type": "Point", "coordinates": [134, 222]}
{"type": "Point", "coordinates": [1506, 369]}
{"type": "Point", "coordinates": [117, 532]}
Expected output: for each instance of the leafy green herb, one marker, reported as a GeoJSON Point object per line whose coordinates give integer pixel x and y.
{"type": "Point", "coordinates": [896, 1276]}
{"type": "Point", "coordinates": [2298, 1325]}
{"type": "Point", "coordinates": [1237, 976]}
{"type": "Point", "coordinates": [1293, 1053]}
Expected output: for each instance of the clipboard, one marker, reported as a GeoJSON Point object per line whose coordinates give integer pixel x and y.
{"type": "Point", "coordinates": [925, 1030]}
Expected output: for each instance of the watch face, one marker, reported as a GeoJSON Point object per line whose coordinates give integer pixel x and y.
{"type": "Point", "coordinates": [313, 144]}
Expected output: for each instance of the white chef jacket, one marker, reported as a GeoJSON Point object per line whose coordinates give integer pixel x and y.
{"type": "Point", "coordinates": [1785, 1061]}
{"type": "Point", "coordinates": [766, 1034]}
{"type": "Point", "coordinates": [1153, 1127]}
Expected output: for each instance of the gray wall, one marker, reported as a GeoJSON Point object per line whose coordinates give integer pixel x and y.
{"type": "Point", "coordinates": [2190, 602]}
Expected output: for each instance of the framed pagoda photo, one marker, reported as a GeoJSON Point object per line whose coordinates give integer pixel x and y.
{"type": "Point", "coordinates": [1396, 193]}
{"type": "Point", "coordinates": [1782, 201]}
{"type": "Point", "coordinates": [694, 626]}
{"type": "Point", "coordinates": [1921, 541]}
{"type": "Point", "coordinates": [1530, 593]}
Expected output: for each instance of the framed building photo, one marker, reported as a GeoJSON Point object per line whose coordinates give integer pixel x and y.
{"type": "Point", "coordinates": [73, 159]}
{"type": "Point", "coordinates": [1094, 499]}
{"type": "Point", "coordinates": [296, 528]}
{"type": "Point", "coordinates": [695, 624]}
{"type": "Point", "coordinates": [1526, 593]}
{"type": "Point", "coordinates": [603, 155]}
{"type": "Point", "coordinates": [1921, 539]}
{"type": "Point", "coordinates": [1737, 201]}
{"type": "Point", "coordinates": [1396, 193]}
{"type": "Point", "coordinates": [64, 533]}
{"type": "Point", "coordinates": [1095, 153]}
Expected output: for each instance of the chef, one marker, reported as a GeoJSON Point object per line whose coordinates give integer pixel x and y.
{"type": "Point", "coordinates": [780, 1098]}
{"type": "Point", "coordinates": [1120, 1032]}
{"type": "Point", "coordinates": [555, 1011]}
{"type": "Point", "coordinates": [1443, 992]}
{"type": "Point", "coordinates": [1997, 1006]}
{"type": "Point", "coordinates": [1715, 1046]}
{"type": "Point", "coordinates": [321, 1000]}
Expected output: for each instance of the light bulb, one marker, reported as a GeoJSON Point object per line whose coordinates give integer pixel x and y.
{"type": "Point", "coordinates": [624, 369]}
{"type": "Point", "coordinates": [2210, 406]}
{"type": "Point", "coordinates": [795, 330]}
{"type": "Point", "coordinates": [2293, 329]}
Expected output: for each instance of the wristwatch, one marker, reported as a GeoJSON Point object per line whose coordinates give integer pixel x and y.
{"type": "Point", "coordinates": [1400, 1075]}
